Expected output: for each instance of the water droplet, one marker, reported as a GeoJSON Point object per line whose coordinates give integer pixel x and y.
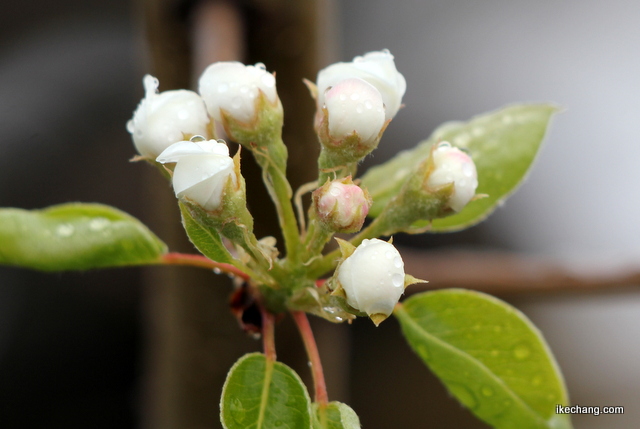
{"type": "Point", "coordinates": [99, 224]}
{"type": "Point", "coordinates": [521, 352]}
{"type": "Point", "coordinates": [467, 169]}
{"type": "Point", "coordinates": [130, 127]}
{"type": "Point", "coordinates": [388, 254]}
{"type": "Point", "coordinates": [355, 96]}
{"type": "Point", "coordinates": [335, 191]}
{"type": "Point", "coordinates": [397, 262]}
{"type": "Point", "coordinates": [443, 144]}
{"type": "Point", "coordinates": [236, 102]}
{"type": "Point", "coordinates": [507, 119]}
{"type": "Point", "coordinates": [487, 391]}
{"type": "Point", "coordinates": [221, 141]}
{"type": "Point", "coordinates": [343, 97]}
{"type": "Point", "coordinates": [260, 66]}
{"type": "Point", "coordinates": [359, 108]}
{"type": "Point", "coordinates": [197, 138]}
{"type": "Point", "coordinates": [368, 105]}
{"type": "Point", "coordinates": [386, 52]}
{"type": "Point", "coordinates": [330, 310]}
{"type": "Point", "coordinates": [65, 230]}
{"type": "Point", "coordinates": [309, 364]}
{"type": "Point", "coordinates": [237, 410]}
{"type": "Point", "coordinates": [268, 80]}
{"type": "Point", "coordinates": [223, 87]}
{"type": "Point", "coordinates": [397, 279]}
{"type": "Point", "coordinates": [463, 394]}
{"type": "Point", "coordinates": [217, 270]}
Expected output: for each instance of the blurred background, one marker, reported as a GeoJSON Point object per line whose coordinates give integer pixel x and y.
{"type": "Point", "coordinates": [102, 349]}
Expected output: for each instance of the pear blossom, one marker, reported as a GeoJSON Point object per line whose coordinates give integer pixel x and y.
{"type": "Point", "coordinates": [162, 119]}
{"type": "Point", "coordinates": [355, 106]}
{"type": "Point", "coordinates": [202, 171]}
{"type": "Point", "coordinates": [451, 165]}
{"type": "Point", "coordinates": [373, 277]}
{"type": "Point", "coordinates": [377, 68]}
{"type": "Point", "coordinates": [341, 205]}
{"type": "Point", "coordinates": [234, 87]}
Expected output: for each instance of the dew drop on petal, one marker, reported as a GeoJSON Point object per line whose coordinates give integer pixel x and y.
{"type": "Point", "coordinates": [397, 279]}
{"type": "Point", "coordinates": [260, 66]}
{"type": "Point", "coordinates": [223, 87]}
{"type": "Point", "coordinates": [130, 127]}
{"type": "Point", "coordinates": [388, 254]}
{"type": "Point", "coordinates": [467, 169]}
{"type": "Point", "coordinates": [236, 102]}
{"type": "Point", "coordinates": [397, 262]}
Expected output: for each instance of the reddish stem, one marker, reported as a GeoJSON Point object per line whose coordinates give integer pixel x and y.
{"type": "Point", "coordinates": [202, 262]}
{"type": "Point", "coordinates": [268, 334]}
{"type": "Point", "coordinates": [321, 396]}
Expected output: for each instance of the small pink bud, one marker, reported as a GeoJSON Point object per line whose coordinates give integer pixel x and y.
{"type": "Point", "coordinates": [341, 205]}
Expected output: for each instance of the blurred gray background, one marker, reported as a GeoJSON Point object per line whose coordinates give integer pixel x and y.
{"type": "Point", "coordinates": [70, 77]}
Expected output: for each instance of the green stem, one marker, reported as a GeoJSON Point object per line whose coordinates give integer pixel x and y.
{"type": "Point", "coordinates": [329, 261]}
{"type": "Point", "coordinates": [321, 396]}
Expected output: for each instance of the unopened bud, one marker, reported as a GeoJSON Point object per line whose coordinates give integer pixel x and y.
{"type": "Point", "coordinates": [373, 278]}
{"type": "Point", "coordinates": [341, 205]}
{"type": "Point", "coordinates": [353, 108]}
{"type": "Point", "coordinates": [377, 68]}
{"type": "Point", "coordinates": [165, 118]}
{"type": "Point", "coordinates": [202, 172]}
{"type": "Point", "coordinates": [453, 166]}
{"type": "Point", "coordinates": [233, 89]}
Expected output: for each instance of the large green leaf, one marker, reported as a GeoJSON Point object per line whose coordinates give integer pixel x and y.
{"type": "Point", "coordinates": [335, 415]}
{"type": "Point", "coordinates": [75, 237]}
{"type": "Point", "coordinates": [489, 356]}
{"type": "Point", "coordinates": [503, 145]}
{"type": "Point", "coordinates": [262, 394]}
{"type": "Point", "coordinates": [206, 240]}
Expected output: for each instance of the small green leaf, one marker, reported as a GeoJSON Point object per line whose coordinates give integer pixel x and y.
{"type": "Point", "coordinates": [335, 415]}
{"type": "Point", "coordinates": [75, 237]}
{"type": "Point", "coordinates": [262, 394]}
{"type": "Point", "coordinates": [206, 240]}
{"type": "Point", "coordinates": [503, 145]}
{"type": "Point", "coordinates": [489, 355]}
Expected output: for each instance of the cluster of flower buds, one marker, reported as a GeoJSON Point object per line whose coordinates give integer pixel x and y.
{"type": "Point", "coordinates": [355, 102]}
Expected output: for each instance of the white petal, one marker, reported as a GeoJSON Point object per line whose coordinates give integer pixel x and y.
{"type": "Point", "coordinates": [177, 151]}
{"type": "Point", "coordinates": [191, 170]}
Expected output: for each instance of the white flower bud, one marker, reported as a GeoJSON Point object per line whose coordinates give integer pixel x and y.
{"type": "Point", "coordinates": [355, 106]}
{"type": "Point", "coordinates": [451, 165]}
{"type": "Point", "coordinates": [233, 87]}
{"type": "Point", "coordinates": [202, 171]}
{"type": "Point", "coordinates": [377, 68]}
{"type": "Point", "coordinates": [373, 277]}
{"type": "Point", "coordinates": [166, 118]}
{"type": "Point", "coordinates": [341, 205]}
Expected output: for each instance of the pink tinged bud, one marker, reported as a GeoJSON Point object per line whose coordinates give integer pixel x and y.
{"type": "Point", "coordinates": [341, 205]}
{"type": "Point", "coordinates": [162, 119]}
{"type": "Point", "coordinates": [354, 106]}
{"type": "Point", "coordinates": [373, 277]}
{"type": "Point", "coordinates": [234, 88]}
{"type": "Point", "coordinates": [377, 68]}
{"type": "Point", "coordinates": [202, 171]}
{"type": "Point", "coordinates": [451, 165]}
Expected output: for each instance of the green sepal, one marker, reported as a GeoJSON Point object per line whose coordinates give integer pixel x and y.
{"type": "Point", "coordinates": [335, 415]}
{"type": "Point", "coordinates": [503, 145]}
{"type": "Point", "coordinates": [488, 355]}
{"type": "Point", "coordinates": [75, 236]}
{"type": "Point", "coordinates": [320, 302]}
{"type": "Point", "coordinates": [263, 394]}
{"type": "Point", "coordinates": [206, 240]}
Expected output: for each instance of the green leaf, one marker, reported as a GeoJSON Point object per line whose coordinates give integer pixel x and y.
{"type": "Point", "coordinates": [75, 237]}
{"type": "Point", "coordinates": [206, 240]}
{"type": "Point", "coordinates": [489, 355]}
{"type": "Point", "coordinates": [262, 394]}
{"type": "Point", "coordinates": [503, 145]}
{"type": "Point", "coordinates": [335, 415]}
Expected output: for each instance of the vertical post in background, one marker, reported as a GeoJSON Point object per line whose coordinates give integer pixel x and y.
{"type": "Point", "coordinates": [191, 338]}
